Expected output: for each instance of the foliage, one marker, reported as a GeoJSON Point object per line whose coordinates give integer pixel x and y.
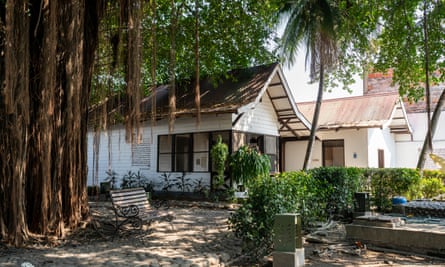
{"type": "Point", "coordinates": [389, 182]}
{"type": "Point", "coordinates": [402, 44]}
{"type": "Point", "coordinates": [136, 179]}
{"type": "Point", "coordinates": [232, 34]}
{"type": "Point", "coordinates": [310, 203]}
{"type": "Point", "coordinates": [247, 163]}
{"type": "Point", "coordinates": [219, 153]}
{"type": "Point", "coordinates": [336, 187]}
{"type": "Point", "coordinates": [431, 187]}
{"type": "Point", "coordinates": [166, 184]}
{"type": "Point", "coordinates": [112, 178]}
{"type": "Point", "coordinates": [434, 174]}
{"type": "Point", "coordinates": [183, 183]}
{"type": "Point", "coordinates": [200, 187]}
{"type": "Point", "coordinates": [253, 221]}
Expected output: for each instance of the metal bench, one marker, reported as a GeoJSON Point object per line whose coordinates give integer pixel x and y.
{"type": "Point", "coordinates": [131, 207]}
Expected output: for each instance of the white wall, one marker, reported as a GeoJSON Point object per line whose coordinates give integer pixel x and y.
{"type": "Point", "coordinates": [408, 150]}
{"type": "Point", "coordinates": [384, 140]}
{"type": "Point", "coordinates": [355, 142]}
{"type": "Point", "coordinates": [262, 119]}
{"type": "Point", "coordinates": [119, 157]}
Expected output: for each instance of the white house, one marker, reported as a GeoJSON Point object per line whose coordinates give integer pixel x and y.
{"type": "Point", "coordinates": [408, 149]}
{"type": "Point", "coordinates": [356, 131]}
{"type": "Point", "coordinates": [375, 129]}
{"type": "Point", "coordinates": [251, 106]}
{"type": "Point", "coordinates": [255, 106]}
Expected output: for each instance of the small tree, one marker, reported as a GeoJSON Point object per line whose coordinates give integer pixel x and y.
{"type": "Point", "coordinates": [219, 153]}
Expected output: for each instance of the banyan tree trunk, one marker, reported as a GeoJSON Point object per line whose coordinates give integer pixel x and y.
{"type": "Point", "coordinates": [49, 54]}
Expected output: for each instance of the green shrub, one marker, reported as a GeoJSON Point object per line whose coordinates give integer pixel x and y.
{"type": "Point", "coordinates": [253, 221]}
{"type": "Point", "coordinates": [389, 182]}
{"type": "Point", "coordinates": [431, 187]}
{"type": "Point", "coordinates": [308, 200]}
{"type": "Point", "coordinates": [247, 163]}
{"type": "Point", "coordinates": [336, 188]}
{"type": "Point", "coordinates": [434, 174]}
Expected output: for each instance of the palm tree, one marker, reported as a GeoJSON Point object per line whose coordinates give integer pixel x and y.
{"type": "Point", "coordinates": [312, 24]}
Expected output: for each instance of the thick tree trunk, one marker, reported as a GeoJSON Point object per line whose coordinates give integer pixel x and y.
{"type": "Point", "coordinates": [44, 118]}
{"type": "Point", "coordinates": [14, 123]}
{"type": "Point", "coordinates": [314, 124]}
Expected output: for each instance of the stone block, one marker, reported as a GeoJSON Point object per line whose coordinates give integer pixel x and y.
{"type": "Point", "coordinates": [287, 229]}
{"type": "Point", "coordinates": [289, 259]}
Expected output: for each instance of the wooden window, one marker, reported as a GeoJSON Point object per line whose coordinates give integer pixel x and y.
{"type": "Point", "coordinates": [333, 153]}
{"type": "Point", "coordinates": [183, 153]}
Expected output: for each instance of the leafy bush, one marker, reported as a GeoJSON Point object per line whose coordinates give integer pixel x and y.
{"type": "Point", "coordinates": [253, 221]}
{"type": "Point", "coordinates": [247, 163]}
{"type": "Point", "coordinates": [389, 182]}
{"type": "Point", "coordinates": [434, 174]}
{"type": "Point", "coordinates": [136, 179]}
{"type": "Point", "coordinates": [111, 178]}
{"type": "Point", "coordinates": [308, 200]}
{"type": "Point", "coordinates": [336, 187]}
{"type": "Point", "coordinates": [431, 187]}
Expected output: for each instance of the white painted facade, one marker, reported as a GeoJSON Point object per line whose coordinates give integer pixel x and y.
{"type": "Point", "coordinates": [117, 155]}
{"type": "Point", "coordinates": [361, 148]}
{"type": "Point", "coordinates": [408, 149]}
{"type": "Point", "coordinates": [121, 157]}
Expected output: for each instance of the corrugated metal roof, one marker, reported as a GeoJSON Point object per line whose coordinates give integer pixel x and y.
{"type": "Point", "coordinates": [370, 111]}
{"type": "Point", "coordinates": [229, 93]}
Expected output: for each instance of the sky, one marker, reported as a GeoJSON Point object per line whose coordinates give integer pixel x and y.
{"type": "Point", "coordinates": [298, 80]}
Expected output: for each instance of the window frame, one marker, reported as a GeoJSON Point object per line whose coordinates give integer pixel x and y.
{"type": "Point", "coordinates": [191, 153]}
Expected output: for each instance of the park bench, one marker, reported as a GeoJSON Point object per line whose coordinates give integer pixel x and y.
{"type": "Point", "coordinates": [131, 207]}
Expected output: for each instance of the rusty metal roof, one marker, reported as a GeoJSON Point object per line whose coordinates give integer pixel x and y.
{"type": "Point", "coordinates": [230, 93]}
{"type": "Point", "coordinates": [369, 111]}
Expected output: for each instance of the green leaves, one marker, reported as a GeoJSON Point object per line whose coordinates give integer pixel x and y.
{"type": "Point", "coordinates": [402, 47]}
{"type": "Point", "coordinates": [247, 164]}
{"type": "Point", "coordinates": [219, 154]}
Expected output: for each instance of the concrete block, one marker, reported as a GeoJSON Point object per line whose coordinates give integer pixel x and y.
{"type": "Point", "coordinates": [429, 240]}
{"type": "Point", "coordinates": [289, 259]}
{"type": "Point", "coordinates": [287, 228]}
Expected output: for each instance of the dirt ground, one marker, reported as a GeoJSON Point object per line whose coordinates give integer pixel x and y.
{"type": "Point", "coordinates": [198, 236]}
{"type": "Point", "coordinates": [327, 246]}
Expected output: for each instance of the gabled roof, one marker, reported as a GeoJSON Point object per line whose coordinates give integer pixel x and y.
{"type": "Point", "coordinates": [235, 92]}
{"type": "Point", "coordinates": [369, 111]}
